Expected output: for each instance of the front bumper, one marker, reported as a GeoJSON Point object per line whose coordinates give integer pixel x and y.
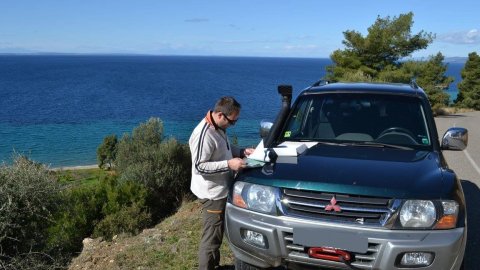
{"type": "Point", "coordinates": [383, 247]}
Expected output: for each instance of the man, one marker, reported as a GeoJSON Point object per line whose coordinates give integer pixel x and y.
{"type": "Point", "coordinates": [214, 161]}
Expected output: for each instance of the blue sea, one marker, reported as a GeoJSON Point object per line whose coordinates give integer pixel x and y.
{"type": "Point", "coordinates": [57, 109]}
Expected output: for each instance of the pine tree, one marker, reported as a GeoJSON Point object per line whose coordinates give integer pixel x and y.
{"type": "Point", "coordinates": [431, 77]}
{"type": "Point", "coordinates": [388, 41]}
{"type": "Point", "coordinates": [469, 87]}
{"type": "Point", "coordinates": [379, 57]}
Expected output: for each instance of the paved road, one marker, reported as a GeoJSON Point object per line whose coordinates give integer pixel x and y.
{"type": "Point", "coordinates": [467, 166]}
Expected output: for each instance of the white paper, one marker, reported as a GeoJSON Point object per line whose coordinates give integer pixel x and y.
{"type": "Point", "coordinates": [259, 153]}
{"type": "Point", "coordinates": [287, 149]}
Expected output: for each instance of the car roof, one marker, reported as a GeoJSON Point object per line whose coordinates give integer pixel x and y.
{"type": "Point", "coordinates": [360, 87]}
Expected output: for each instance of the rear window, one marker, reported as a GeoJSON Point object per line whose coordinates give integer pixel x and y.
{"type": "Point", "coordinates": [389, 119]}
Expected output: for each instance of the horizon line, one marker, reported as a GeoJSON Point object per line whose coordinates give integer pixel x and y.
{"type": "Point", "coordinates": [184, 55]}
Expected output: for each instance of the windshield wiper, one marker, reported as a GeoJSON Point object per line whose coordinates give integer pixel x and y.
{"type": "Point", "coordinates": [321, 142]}
{"type": "Point", "coordinates": [356, 143]}
{"type": "Point", "coordinates": [377, 144]}
{"type": "Point", "coordinates": [333, 143]}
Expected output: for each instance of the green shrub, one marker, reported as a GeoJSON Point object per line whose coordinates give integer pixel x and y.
{"type": "Point", "coordinates": [131, 219]}
{"type": "Point", "coordinates": [162, 166]}
{"type": "Point", "coordinates": [80, 211]}
{"type": "Point", "coordinates": [28, 198]}
{"type": "Point", "coordinates": [107, 151]}
{"type": "Point", "coordinates": [110, 207]}
{"type": "Point", "coordinates": [125, 210]}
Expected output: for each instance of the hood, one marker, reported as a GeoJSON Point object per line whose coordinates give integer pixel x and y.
{"type": "Point", "coordinates": [367, 171]}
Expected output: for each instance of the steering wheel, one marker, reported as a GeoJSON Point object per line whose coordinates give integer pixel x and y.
{"type": "Point", "coordinates": [404, 131]}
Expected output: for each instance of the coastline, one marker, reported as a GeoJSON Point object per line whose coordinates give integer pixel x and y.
{"type": "Point", "coordinates": [72, 168]}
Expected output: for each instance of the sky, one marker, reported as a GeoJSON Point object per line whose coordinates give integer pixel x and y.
{"type": "Point", "coordinates": [270, 28]}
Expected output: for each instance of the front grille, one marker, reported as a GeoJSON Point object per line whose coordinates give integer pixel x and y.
{"type": "Point", "coordinates": [372, 211]}
{"type": "Point", "coordinates": [299, 253]}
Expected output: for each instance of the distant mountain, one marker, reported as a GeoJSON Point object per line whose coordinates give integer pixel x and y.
{"type": "Point", "coordinates": [15, 50]}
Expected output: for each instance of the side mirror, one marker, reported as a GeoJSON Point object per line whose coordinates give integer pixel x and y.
{"type": "Point", "coordinates": [265, 127]}
{"type": "Point", "coordinates": [455, 139]}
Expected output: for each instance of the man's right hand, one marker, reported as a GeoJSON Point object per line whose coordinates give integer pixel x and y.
{"type": "Point", "coordinates": [236, 164]}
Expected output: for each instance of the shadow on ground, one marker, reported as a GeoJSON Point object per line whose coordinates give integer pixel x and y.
{"type": "Point", "coordinates": [451, 116]}
{"type": "Point", "coordinates": [472, 196]}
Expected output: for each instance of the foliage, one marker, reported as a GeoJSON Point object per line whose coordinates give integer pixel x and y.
{"type": "Point", "coordinates": [91, 209]}
{"type": "Point", "coordinates": [107, 151]}
{"type": "Point", "coordinates": [162, 166]}
{"type": "Point", "coordinates": [152, 177]}
{"type": "Point", "coordinates": [76, 219]}
{"type": "Point", "coordinates": [125, 209]}
{"type": "Point", "coordinates": [388, 41]}
{"type": "Point", "coordinates": [431, 77]}
{"type": "Point", "coordinates": [130, 219]}
{"type": "Point", "coordinates": [28, 198]}
{"type": "Point", "coordinates": [377, 58]}
{"type": "Point", "coordinates": [137, 148]}
{"type": "Point", "coordinates": [78, 177]}
{"type": "Point", "coordinates": [469, 87]}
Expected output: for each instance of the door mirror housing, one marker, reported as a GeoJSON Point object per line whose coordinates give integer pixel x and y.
{"type": "Point", "coordinates": [455, 138]}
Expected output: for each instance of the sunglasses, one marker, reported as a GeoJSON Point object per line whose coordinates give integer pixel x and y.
{"type": "Point", "coordinates": [230, 121]}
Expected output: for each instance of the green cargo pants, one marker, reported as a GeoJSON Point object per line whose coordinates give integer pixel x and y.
{"type": "Point", "coordinates": [212, 235]}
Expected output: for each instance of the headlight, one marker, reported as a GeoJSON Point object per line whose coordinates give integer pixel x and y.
{"type": "Point", "coordinates": [450, 214]}
{"type": "Point", "coordinates": [418, 214]}
{"type": "Point", "coordinates": [254, 197]}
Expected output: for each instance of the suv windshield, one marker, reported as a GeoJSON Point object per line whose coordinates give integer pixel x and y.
{"type": "Point", "coordinates": [358, 118]}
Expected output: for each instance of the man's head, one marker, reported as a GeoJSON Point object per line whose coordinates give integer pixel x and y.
{"type": "Point", "coordinates": [227, 111]}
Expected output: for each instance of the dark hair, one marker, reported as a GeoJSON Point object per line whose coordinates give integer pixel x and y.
{"type": "Point", "coordinates": [227, 105]}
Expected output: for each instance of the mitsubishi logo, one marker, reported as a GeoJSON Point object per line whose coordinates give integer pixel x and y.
{"type": "Point", "coordinates": [333, 205]}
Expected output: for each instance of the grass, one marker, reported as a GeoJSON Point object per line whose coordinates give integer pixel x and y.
{"type": "Point", "coordinates": [77, 177]}
{"type": "Point", "coordinates": [172, 244]}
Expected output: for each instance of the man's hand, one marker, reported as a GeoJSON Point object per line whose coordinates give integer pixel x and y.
{"type": "Point", "coordinates": [236, 164]}
{"type": "Point", "coordinates": [248, 151]}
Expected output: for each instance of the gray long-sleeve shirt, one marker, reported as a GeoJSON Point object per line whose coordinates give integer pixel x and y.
{"type": "Point", "coordinates": [211, 150]}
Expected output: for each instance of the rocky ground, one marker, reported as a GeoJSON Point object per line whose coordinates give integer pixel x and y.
{"type": "Point", "coordinates": [172, 244]}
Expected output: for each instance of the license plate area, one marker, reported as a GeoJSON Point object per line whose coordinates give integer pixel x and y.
{"type": "Point", "coordinates": [329, 238]}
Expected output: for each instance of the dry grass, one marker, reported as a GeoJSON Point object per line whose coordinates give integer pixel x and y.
{"type": "Point", "coordinates": [172, 244]}
{"type": "Point", "coordinates": [451, 110]}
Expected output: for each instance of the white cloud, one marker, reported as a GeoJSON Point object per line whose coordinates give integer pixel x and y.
{"type": "Point", "coordinates": [463, 37]}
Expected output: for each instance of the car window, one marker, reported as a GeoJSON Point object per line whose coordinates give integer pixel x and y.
{"type": "Point", "coordinates": [388, 119]}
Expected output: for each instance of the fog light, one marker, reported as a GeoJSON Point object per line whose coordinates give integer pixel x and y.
{"type": "Point", "coordinates": [254, 238]}
{"type": "Point", "coordinates": [416, 259]}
